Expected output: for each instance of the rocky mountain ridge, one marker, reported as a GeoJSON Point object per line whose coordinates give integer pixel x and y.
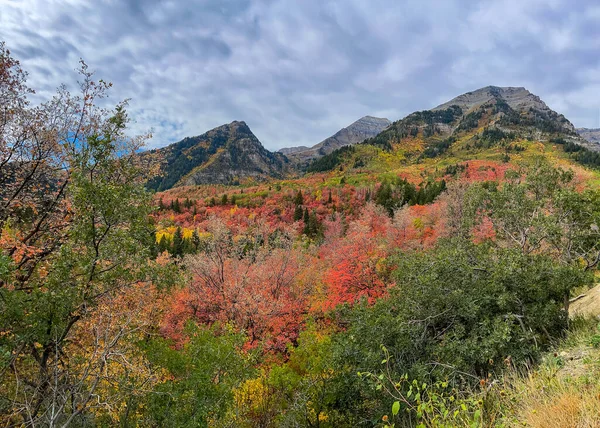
{"type": "Point", "coordinates": [509, 110]}
{"type": "Point", "coordinates": [487, 117]}
{"type": "Point", "coordinates": [590, 134]}
{"type": "Point", "coordinates": [363, 128]}
{"type": "Point", "coordinates": [228, 154]}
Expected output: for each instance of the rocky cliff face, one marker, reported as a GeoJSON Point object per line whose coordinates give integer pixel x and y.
{"type": "Point", "coordinates": [509, 100]}
{"type": "Point", "coordinates": [590, 134]}
{"type": "Point", "coordinates": [358, 131]}
{"type": "Point", "coordinates": [228, 154]}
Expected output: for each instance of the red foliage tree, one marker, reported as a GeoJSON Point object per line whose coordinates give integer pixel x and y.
{"type": "Point", "coordinates": [358, 269]}
{"type": "Point", "coordinates": [249, 281]}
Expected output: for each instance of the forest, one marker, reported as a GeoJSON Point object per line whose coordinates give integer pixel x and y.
{"type": "Point", "coordinates": [328, 300]}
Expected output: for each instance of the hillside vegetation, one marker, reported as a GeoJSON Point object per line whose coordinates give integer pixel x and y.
{"type": "Point", "coordinates": [423, 277]}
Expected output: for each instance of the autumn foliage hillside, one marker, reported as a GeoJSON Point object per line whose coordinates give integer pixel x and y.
{"type": "Point", "coordinates": [399, 282]}
{"type": "Point", "coordinates": [311, 268]}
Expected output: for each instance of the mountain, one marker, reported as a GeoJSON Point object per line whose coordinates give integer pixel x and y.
{"type": "Point", "coordinates": [590, 134]}
{"type": "Point", "coordinates": [225, 155]}
{"type": "Point", "coordinates": [363, 128]}
{"type": "Point", "coordinates": [504, 109]}
{"type": "Point", "coordinates": [289, 150]}
{"type": "Point", "coordinates": [490, 117]}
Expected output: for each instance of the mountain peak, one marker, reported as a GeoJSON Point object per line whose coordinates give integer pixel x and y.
{"type": "Point", "coordinates": [370, 121]}
{"type": "Point", "coordinates": [357, 131]}
{"type": "Point", "coordinates": [516, 97]}
{"type": "Point", "coordinates": [226, 154]}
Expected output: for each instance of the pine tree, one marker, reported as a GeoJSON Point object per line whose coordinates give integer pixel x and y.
{"type": "Point", "coordinates": [330, 199]}
{"type": "Point", "coordinates": [299, 199]}
{"type": "Point", "coordinates": [175, 206]}
{"type": "Point", "coordinates": [298, 212]}
{"type": "Point", "coordinates": [306, 216]}
{"type": "Point", "coordinates": [233, 200]}
{"type": "Point", "coordinates": [196, 240]}
{"type": "Point", "coordinates": [163, 244]}
{"type": "Point", "coordinates": [306, 228]}
{"type": "Point", "coordinates": [313, 225]}
{"type": "Point", "coordinates": [177, 249]}
{"type": "Point", "coordinates": [312, 228]}
{"type": "Point", "coordinates": [224, 199]}
{"type": "Point", "coordinates": [187, 247]}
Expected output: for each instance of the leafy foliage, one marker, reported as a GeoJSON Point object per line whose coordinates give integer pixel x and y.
{"type": "Point", "coordinates": [74, 234]}
{"type": "Point", "coordinates": [202, 377]}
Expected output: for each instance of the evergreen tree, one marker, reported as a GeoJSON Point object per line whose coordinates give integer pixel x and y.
{"type": "Point", "coordinates": [299, 199]}
{"type": "Point", "coordinates": [306, 228]}
{"type": "Point", "coordinates": [329, 199]}
{"type": "Point", "coordinates": [175, 206]}
{"type": "Point", "coordinates": [224, 199]}
{"type": "Point", "coordinates": [187, 247]}
{"type": "Point", "coordinates": [312, 228]}
{"type": "Point", "coordinates": [177, 248]}
{"type": "Point", "coordinates": [313, 225]}
{"type": "Point", "coordinates": [163, 244]}
{"type": "Point", "coordinates": [385, 197]}
{"type": "Point", "coordinates": [233, 200]}
{"type": "Point", "coordinates": [298, 212]}
{"type": "Point", "coordinates": [196, 240]}
{"type": "Point", "coordinates": [305, 217]}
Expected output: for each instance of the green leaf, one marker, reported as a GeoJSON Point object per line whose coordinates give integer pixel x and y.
{"type": "Point", "coordinates": [395, 408]}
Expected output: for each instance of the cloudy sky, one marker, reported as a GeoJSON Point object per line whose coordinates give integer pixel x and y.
{"type": "Point", "coordinates": [297, 71]}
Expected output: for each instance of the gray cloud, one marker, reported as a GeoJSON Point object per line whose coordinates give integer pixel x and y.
{"type": "Point", "coordinates": [296, 72]}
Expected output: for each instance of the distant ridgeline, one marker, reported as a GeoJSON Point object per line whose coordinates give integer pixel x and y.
{"type": "Point", "coordinates": [483, 119]}
{"type": "Point", "coordinates": [489, 118]}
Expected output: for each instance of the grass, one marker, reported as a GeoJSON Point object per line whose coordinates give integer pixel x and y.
{"type": "Point", "coordinates": [563, 391]}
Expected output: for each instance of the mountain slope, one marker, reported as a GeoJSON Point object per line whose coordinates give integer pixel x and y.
{"type": "Point", "coordinates": [489, 118]}
{"type": "Point", "coordinates": [224, 155]}
{"type": "Point", "coordinates": [590, 134]}
{"type": "Point", "coordinates": [365, 127]}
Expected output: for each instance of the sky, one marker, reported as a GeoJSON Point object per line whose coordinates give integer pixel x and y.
{"type": "Point", "coordinates": [298, 71]}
